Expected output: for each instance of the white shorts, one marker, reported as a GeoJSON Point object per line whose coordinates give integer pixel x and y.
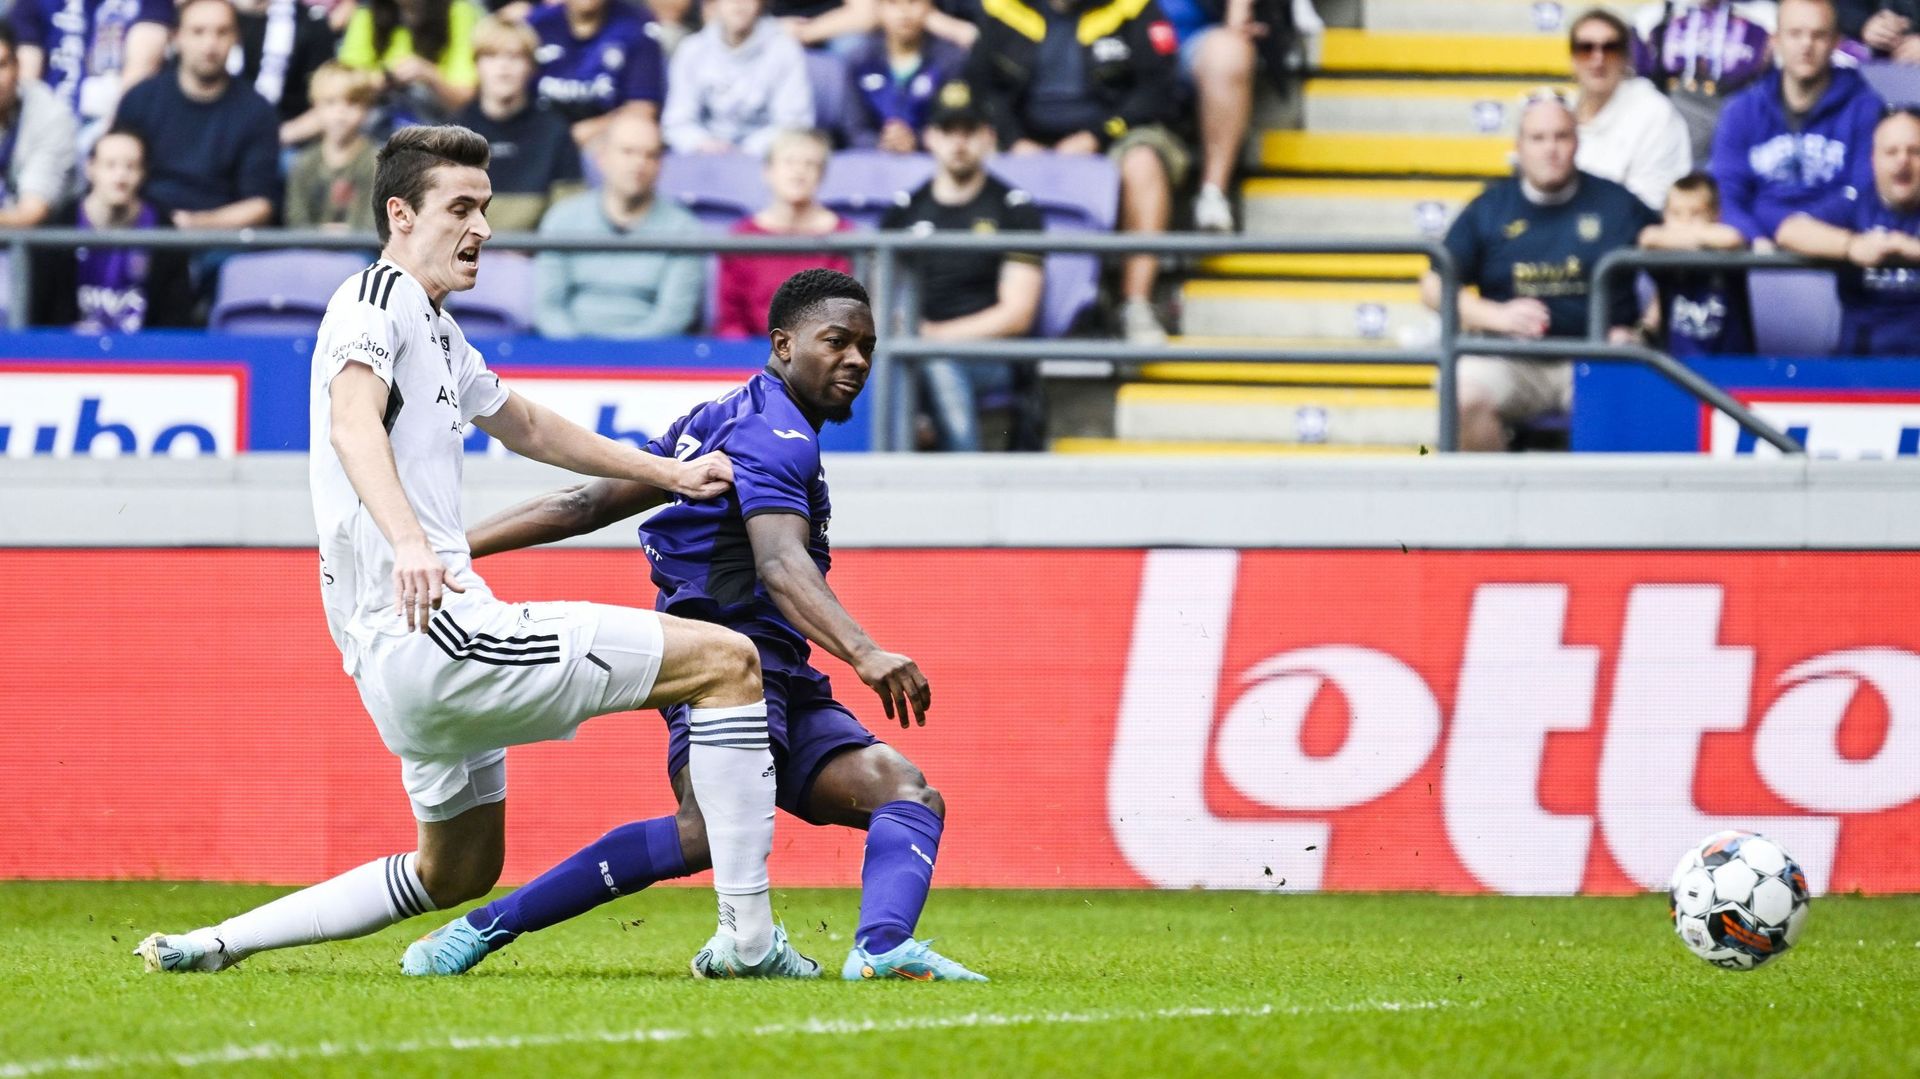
{"type": "Point", "coordinates": [1518, 389]}
{"type": "Point", "coordinates": [488, 675]}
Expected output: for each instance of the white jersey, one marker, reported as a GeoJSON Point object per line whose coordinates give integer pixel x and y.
{"type": "Point", "coordinates": [437, 384]}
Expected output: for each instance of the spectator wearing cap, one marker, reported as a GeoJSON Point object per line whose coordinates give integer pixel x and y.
{"type": "Point", "coordinates": [967, 297]}
{"type": "Point", "coordinates": [36, 145]}
{"type": "Point", "coordinates": [1629, 132]}
{"type": "Point", "coordinates": [736, 84]}
{"type": "Point", "coordinates": [534, 155]}
{"type": "Point", "coordinates": [1525, 249]}
{"type": "Point", "coordinates": [89, 52]}
{"type": "Point", "coordinates": [1800, 134]}
{"type": "Point", "coordinates": [1876, 229]}
{"type": "Point", "coordinates": [1088, 77]}
{"type": "Point", "coordinates": [596, 57]}
{"type": "Point", "coordinates": [895, 73]}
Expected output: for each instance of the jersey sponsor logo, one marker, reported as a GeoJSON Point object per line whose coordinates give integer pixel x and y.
{"type": "Point", "coordinates": [576, 91]}
{"type": "Point", "coordinates": [1588, 226]}
{"type": "Point", "coordinates": [1809, 159]}
{"type": "Point", "coordinates": [69, 412]}
{"type": "Point", "coordinates": [363, 349]}
{"type": "Point", "coordinates": [1515, 228]}
{"type": "Point", "coordinates": [1113, 50]}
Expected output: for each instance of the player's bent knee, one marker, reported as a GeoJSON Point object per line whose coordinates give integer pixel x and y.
{"type": "Point", "coordinates": [450, 883]}
{"type": "Point", "coordinates": [733, 675]}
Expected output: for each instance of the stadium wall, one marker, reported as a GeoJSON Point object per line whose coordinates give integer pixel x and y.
{"type": "Point", "coordinates": [1147, 674]}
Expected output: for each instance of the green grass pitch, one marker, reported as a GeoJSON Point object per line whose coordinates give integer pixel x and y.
{"type": "Point", "coordinates": [1086, 983]}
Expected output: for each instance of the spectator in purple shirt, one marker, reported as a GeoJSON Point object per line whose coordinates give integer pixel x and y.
{"type": "Point", "coordinates": [896, 73]}
{"type": "Point", "coordinates": [597, 56]}
{"type": "Point", "coordinates": [90, 51]}
{"type": "Point", "coordinates": [111, 289]}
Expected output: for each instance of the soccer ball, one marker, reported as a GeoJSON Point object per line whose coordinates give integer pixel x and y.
{"type": "Point", "coordinates": [1737, 900]}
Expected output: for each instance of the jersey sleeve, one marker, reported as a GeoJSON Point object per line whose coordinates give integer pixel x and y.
{"type": "Point", "coordinates": [772, 468]}
{"type": "Point", "coordinates": [357, 332]}
{"type": "Point", "coordinates": [1022, 215]}
{"type": "Point", "coordinates": [1841, 209]}
{"type": "Point", "coordinates": [1463, 242]}
{"type": "Point", "coordinates": [481, 393]}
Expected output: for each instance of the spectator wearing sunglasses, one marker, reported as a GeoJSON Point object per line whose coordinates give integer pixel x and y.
{"type": "Point", "coordinates": [1629, 132]}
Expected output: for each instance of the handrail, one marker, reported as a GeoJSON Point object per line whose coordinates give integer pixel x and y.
{"type": "Point", "coordinates": [1674, 370]}
{"type": "Point", "coordinates": [1608, 271]}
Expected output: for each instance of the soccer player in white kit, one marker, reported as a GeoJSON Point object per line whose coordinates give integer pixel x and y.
{"type": "Point", "coordinates": [450, 674]}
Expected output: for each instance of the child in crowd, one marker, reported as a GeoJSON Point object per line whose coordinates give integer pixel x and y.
{"type": "Point", "coordinates": [99, 290]}
{"type": "Point", "coordinates": [795, 166]}
{"type": "Point", "coordinates": [1700, 312]}
{"type": "Point", "coordinates": [896, 72]}
{"type": "Point", "coordinates": [331, 184]}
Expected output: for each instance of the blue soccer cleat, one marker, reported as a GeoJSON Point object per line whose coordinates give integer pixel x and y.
{"type": "Point", "coordinates": [454, 948]}
{"type": "Point", "coordinates": [914, 960]}
{"type": "Point", "coordinates": [719, 960]}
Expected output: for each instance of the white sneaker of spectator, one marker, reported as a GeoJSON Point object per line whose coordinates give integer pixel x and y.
{"type": "Point", "coordinates": [1140, 325]}
{"type": "Point", "coordinates": [1211, 210]}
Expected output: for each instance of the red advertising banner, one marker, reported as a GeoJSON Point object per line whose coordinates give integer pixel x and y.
{"type": "Point", "coordinates": [1460, 721]}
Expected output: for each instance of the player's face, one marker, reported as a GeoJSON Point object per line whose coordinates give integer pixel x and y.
{"type": "Point", "coordinates": [1805, 39]}
{"type": "Point", "coordinates": [825, 361]}
{"type": "Point", "coordinates": [441, 245]}
{"type": "Point", "coordinates": [1547, 143]}
{"type": "Point", "coordinates": [960, 151]}
{"type": "Point", "coordinates": [1896, 161]}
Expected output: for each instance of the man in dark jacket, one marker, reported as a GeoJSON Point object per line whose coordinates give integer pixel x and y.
{"type": "Point", "coordinates": [1084, 77]}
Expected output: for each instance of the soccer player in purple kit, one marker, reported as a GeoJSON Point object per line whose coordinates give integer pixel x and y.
{"type": "Point", "coordinates": [756, 561]}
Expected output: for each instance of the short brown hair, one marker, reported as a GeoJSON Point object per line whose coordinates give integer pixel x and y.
{"type": "Point", "coordinates": [405, 166]}
{"type": "Point", "coordinates": [1601, 15]}
{"type": "Point", "coordinates": [1700, 181]}
{"type": "Point", "coordinates": [360, 87]}
{"type": "Point", "coordinates": [495, 34]}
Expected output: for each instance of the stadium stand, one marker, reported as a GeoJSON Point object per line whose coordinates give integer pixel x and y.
{"type": "Point", "coordinates": [279, 292]}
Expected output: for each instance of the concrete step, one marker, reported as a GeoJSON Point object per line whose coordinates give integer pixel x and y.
{"type": "Point", "coordinates": [1370, 52]}
{"type": "Point", "coordinates": [1319, 415]}
{"type": "Point", "coordinates": [1167, 448]}
{"type": "Point", "coordinates": [1352, 209]}
{"type": "Point", "coordinates": [1415, 106]}
{"type": "Point", "coordinates": [1530, 17]}
{"type": "Point", "coordinates": [1315, 310]}
{"type": "Point", "coordinates": [1369, 154]}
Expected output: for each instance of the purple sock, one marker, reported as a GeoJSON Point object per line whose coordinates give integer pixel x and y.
{"type": "Point", "coordinates": [619, 863]}
{"type": "Point", "coordinates": [903, 839]}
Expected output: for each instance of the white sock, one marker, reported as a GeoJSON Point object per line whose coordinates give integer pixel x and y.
{"type": "Point", "coordinates": [731, 762]}
{"type": "Point", "coordinates": [353, 904]}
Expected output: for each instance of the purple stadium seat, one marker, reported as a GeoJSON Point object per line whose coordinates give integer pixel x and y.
{"type": "Point", "coordinates": [1795, 312]}
{"type": "Point", "coordinates": [1899, 84]}
{"type": "Point", "coordinates": [279, 292]}
{"type": "Point", "coordinates": [860, 184]}
{"type": "Point", "coordinates": [1072, 286]}
{"type": "Point", "coordinates": [827, 76]}
{"type": "Point", "coordinates": [500, 304]}
{"type": "Point", "coordinates": [1071, 190]}
{"type": "Point", "coordinates": [719, 188]}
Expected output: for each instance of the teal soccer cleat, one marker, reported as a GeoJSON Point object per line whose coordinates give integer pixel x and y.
{"type": "Point", "coordinates": [914, 960]}
{"type": "Point", "coordinates": [454, 948]}
{"type": "Point", "coordinates": [718, 960]}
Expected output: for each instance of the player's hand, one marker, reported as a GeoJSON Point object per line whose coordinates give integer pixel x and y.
{"type": "Point", "coordinates": [706, 476]}
{"type": "Point", "coordinates": [898, 681]}
{"type": "Point", "coordinates": [419, 581]}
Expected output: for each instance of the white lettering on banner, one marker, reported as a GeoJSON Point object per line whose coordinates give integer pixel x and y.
{"type": "Point", "coordinates": [79, 414]}
{"type": "Point", "coordinates": [1393, 725]}
{"type": "Point", "coordinates": [1673, 682]}
{"type": "Point", "coordinates": [1156, 786]}
{"type": "Point", "coordinates": [1846, 430]}
{"type": "Point", "coordinates": [1518, 682]}
{"type": "Point", "coordinates": [1797, 750]}
{"type": "Point", "coordinates": [632, 410]}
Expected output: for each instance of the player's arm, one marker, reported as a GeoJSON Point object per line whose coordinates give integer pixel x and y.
{"type": "Point", "coordinates": [558, 515]}
{"type": "Point", "coordinates": [359, 436]}
{"type": "Point", "coordinates": [787, 569]}
{"type": "Point", "coordinates": [535, 431]}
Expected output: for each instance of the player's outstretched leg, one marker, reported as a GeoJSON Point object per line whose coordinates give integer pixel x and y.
{"type": "Point", "coordinates": [458, 859]}
{"type": "Point", "coordinates": [878, 789]}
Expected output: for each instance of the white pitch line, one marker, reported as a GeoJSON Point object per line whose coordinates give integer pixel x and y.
{"type": "Point", "coordinates": [274, 1052]}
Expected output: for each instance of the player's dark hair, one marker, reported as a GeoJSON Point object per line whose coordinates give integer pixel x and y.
{"type": "Point", "coordinates": [405, 166]}
{"type": "Point", "coordinates": [1699, 181]}
{"type": "Point", "coordinates": [805, 291]}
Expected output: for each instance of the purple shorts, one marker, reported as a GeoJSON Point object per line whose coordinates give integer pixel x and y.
{"type": "Point", "coordinates": [808, 729]}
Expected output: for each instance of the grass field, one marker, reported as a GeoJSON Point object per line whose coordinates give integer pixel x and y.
{"type": "Point", "coordinates": [1085, 983]}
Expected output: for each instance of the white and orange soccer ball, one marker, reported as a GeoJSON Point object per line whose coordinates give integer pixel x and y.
{"type": "Point", "coordinates": [1737, 900]}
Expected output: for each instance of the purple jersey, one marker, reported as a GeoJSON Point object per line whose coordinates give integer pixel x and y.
{"type": "Point", "coordinates": [84, 41]}
{"type": "Point", "coordinates": [702, 561]}
{"type": "Point", "coordinates": [584, 79]}
{"type": "Point", "coordinates": [1879, 305]}
{"type": "Point", "coordinates": [1707, 47]}
{"type": "Point", "coordinates": [113, 280]}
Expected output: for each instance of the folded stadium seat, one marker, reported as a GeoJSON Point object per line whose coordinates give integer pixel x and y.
{"type": "Point", "coordinates": [860, 184]}
{"type": "Point", "coordinates": [279, 292]}
{"type": "Point", "coordinates": [1071, 190]}
{"type": "Point", "coordinates": [719, 189]}
{"type": "Point", "coordinates": [1899, 84]}
{"type": "Point", "coordinates": [827, 76]}
{"type": "Point", "coordinates": [1795, 312]}
{"type": "Point", "coordinates": [500, 304]}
